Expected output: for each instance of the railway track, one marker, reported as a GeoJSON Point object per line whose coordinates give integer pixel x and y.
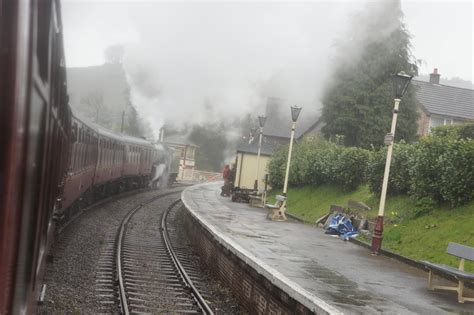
{"type": "Point", "coordinates": [82, 275]}
{"type": "Point", "coordinates": [151, 277]}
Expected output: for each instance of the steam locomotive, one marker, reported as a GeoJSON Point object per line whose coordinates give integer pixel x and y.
{"type": "Point", "coordinates": [52, 162]}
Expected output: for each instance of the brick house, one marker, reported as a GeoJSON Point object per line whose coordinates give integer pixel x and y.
{"type": "Point", "coordinates": [442, 104]}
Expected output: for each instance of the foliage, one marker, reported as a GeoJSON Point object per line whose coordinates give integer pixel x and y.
{"type": "Point", "coordinates": [276, 167]}
{"type": "Point", "coordinates": [358, 102]}
{"type": "Point", "coordinates": [440, 168]}
{"type": "Point", "coordinates": [400, 178]}
{"type": "Point", "coordinates": [320, 162]}
{"type": "Point", "coordinates": [423, 206]}
{"type": "Point", "coordinates": [211, 143]}
{"type": "Point", "coordinates": [350, 166]}
{"type": "Point", "coordinates": [443, 168]}
{"type": "Point", "coordinates": [462, 131]}
{"type": "Point", "coordinates": [133, 124]}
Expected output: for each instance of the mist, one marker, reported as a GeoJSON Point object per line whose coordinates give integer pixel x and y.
{"type": "Point", "coordinates": [200, 63]}
{"type": "Point", "coordinates": [205, 62]}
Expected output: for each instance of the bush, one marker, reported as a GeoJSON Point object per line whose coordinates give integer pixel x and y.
{"type": "Point", "coordinates": [443, 168]}
{"type": "Point", "coordinates": [466, 131]}
{"type": "Point", "coordinates": [463, 131]}
{"type": "Point", "coordinates": [301, 163]}
{"type": "Point", "coordinates": [440, 168]}
{"type": "Point", "coordinates": [350, 167]}
{"type": "Point", "coordinates": [400, 178]}
{"type": "Point", "coordinates": [320, 162]}
{"type": "Point", "coordinates": [276, 167]}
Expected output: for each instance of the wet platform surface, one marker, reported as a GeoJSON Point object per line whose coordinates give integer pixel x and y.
{"type": "Point", "coordinates": [342, 274]}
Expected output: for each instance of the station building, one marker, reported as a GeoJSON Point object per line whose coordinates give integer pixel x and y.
{"type": "Point", "coordinates": [185, 152]}
{"type": "Point", "coordinates": [275, 133]}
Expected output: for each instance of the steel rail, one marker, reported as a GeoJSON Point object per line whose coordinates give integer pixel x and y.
{"type": "Point", "coordinates": [61, 226]}
{"type": "Point", "coordinates": [120, 238]}
{"type": "Point", "coordinates": [186, 279]}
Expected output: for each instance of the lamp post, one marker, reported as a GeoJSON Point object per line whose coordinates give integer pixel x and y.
{"type": "Point", "coordinates": [400, 85]}
{"type": "Point", "coordinates": [253, 131]}
{"type": "Point", "coordinates": [261, 122]}
{"type": "Point", "coordinates": [295, 112]}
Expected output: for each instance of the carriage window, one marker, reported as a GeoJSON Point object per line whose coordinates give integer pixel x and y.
{"type": "Point", "coordinates": [101, 152]}
{"type": "Point", "coordinates": [44, 28]}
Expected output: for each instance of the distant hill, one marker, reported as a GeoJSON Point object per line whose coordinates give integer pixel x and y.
{"type": "Point", "coordinates": [100, 94]}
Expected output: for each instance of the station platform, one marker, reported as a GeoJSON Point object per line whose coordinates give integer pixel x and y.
{"type": "Point", "coordinates": [319, 271]}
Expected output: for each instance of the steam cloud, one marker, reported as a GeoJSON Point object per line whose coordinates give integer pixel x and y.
{"type": "Point", "coordinates": [206, 62]}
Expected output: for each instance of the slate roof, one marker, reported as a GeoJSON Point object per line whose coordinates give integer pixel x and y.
{"type": "Point", "coordinates": [178, 139]}
{"type": "Point", "coordinates": [446, 100]}
{"type": "Point", "coordinates": [279, 122]}
{"type": "Point", "coordinates": [268, 148]}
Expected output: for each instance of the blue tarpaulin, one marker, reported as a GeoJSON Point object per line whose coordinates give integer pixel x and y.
{"type": "Point", "coordinates": [342, 226]}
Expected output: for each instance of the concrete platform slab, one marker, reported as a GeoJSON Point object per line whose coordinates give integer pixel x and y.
{"type": "Point", "coordinates": [320, 271]}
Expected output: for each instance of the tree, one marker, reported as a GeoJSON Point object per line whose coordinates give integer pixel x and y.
{"type": "Point", "coordinates": [132, 122]}
{"type": "Point", "coordinates": [95, 101]}
{"type": "Point", "coordinates": [212, 142]}
{"type": "Point", "coordinates": [358, 102]}
{"type": "Point", "coordinates": [114, 54]}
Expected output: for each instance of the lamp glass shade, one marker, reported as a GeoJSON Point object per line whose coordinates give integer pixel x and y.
{"type": "Point", "coordinates": [261, 121]}
{"type": "Point", "coordinates": [295, 112]}
{"type": "Point", "coordinates": [400, 84]}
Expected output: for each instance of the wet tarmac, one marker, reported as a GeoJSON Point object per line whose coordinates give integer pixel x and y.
{"type": "Point", "coordinates": [342, 274]}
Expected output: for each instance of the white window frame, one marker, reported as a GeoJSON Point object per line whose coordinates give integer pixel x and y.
{"type": "Point", "coordinates": [446, 121]}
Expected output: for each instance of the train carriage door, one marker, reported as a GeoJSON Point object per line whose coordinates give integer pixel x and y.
{"type": "Point", "coordinates": [33, 182]}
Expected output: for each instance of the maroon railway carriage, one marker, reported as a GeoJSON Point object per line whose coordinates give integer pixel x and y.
{"type": "Point", "coordinates": [101, 164]}
{"type": "Point", "coordinates": [124, 162]}
{"type": "Point", "coordinates": [51, 160]}
{"type": "Point", "coordinates": [34, 122]}
{"type": "Point", "coordinates": [83, 151]}
{"type": "Point", "coordinates": [139, 158]}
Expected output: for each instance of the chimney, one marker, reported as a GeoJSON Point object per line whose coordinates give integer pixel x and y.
{"type": "Point", "coordinates": [434, 77]}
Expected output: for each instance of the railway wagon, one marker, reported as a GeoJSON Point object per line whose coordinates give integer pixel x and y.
{"type": "Point", "coordinates": [53, 162]}
{"type": "Point", "coordinates": [83, 151]}
{"type": "Point", "coordinates": [101, 164]}
{"type": "Point", "coordinates": [35, 122]}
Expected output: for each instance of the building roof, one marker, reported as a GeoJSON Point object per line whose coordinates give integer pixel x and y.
{"type": "Point", "coordinates": [110, 134]}
{"type": "Point", "coordinates": [178, 140]}
{"type": "Point", "coordinates": [268, 148]}
{"type": "Point", "coordinates": [445, 100]}
{"type": "Point", "coordinates": [278, 123]}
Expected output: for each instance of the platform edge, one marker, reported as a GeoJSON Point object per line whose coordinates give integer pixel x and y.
{"type": "Point", "coordinates": [312, 302]}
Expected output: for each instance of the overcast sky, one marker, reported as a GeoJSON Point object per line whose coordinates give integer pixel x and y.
{"type": "Point", "coordinates": [442, 30]}
{"type": "Point", "coordinates": [220, 58]}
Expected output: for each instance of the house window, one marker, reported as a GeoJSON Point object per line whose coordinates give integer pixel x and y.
{"type": "Point", "coordinates": [190, 153]}
{"type": "Point", "coordinates": [440, 121]}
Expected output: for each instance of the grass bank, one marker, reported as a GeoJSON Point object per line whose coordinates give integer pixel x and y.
{"type": "Point", "coordinates": [423, 237]}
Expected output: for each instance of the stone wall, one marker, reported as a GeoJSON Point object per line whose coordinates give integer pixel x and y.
{"type": "Point", "coordinates": [254, 292]}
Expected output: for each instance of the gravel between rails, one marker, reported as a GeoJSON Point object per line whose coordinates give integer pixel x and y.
{"type": "Point", "coordinates": [74, 275]}
{"type": "Point", "coordinates": [71, 275]}
{"type": "Point", "coordinates": [217, 296]}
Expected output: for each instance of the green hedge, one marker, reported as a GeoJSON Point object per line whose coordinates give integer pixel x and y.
{"type": "Point", "coordinates": [400, 177]}
{"type": "Point", "coordinates": [320, 162]}
{"type": "Point", "coordinates": [443, 169]}
{"type": "Point", "coordinates": [440, 167]}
